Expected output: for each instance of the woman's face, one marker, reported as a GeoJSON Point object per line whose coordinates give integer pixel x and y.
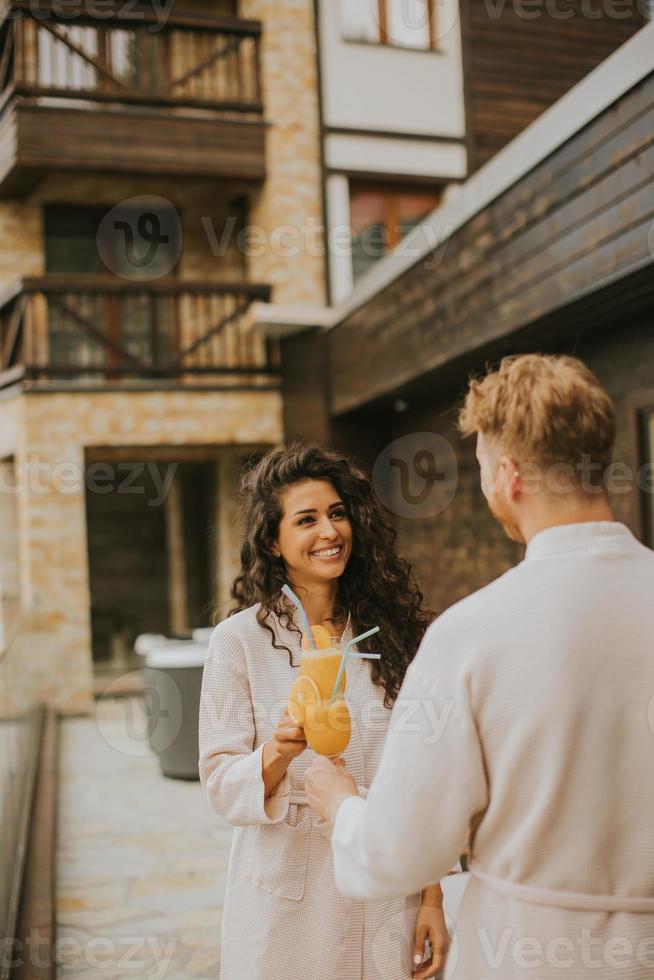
{"type": "Point", "coordinates": [315, 534]}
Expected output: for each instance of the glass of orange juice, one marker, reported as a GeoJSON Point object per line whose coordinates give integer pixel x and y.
{"type": "Point", "coordinates": [327, 724]}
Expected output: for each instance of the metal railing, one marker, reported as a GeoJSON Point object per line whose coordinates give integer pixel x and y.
{"type": "Point", "coordinates": [127, 55]}
{"type": "Point", "coordinates": [100, 327]}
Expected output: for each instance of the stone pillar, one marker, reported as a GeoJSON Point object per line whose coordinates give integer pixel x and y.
{"type": "Point", "coordinates": [56, 563]}
{"type": "Point", "coordinates": [228, 531]}
{"type": "Point", "coordinates": [176, 560]}
{"type": "Point", "coordinates": [9, 570]}
{"type": "Point", "coordinates": [288, 209]}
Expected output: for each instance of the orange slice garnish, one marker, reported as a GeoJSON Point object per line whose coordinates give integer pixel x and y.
{"type": "Point", "coordinates": [321, 638]}
{"type": "Point", "coordinates": [303, 693]}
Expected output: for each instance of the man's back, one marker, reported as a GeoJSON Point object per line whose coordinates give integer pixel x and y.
{"type": "Point", "coordinates": [559, 655]}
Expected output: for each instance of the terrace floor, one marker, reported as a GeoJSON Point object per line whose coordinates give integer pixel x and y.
{"type": "Point", "coordinates": [141, 861]}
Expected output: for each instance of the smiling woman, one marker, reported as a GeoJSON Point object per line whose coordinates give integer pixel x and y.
{"type": "Point", "coordinates": [312, 520]}
{"type": "Point", "coordinates": [303, 500]}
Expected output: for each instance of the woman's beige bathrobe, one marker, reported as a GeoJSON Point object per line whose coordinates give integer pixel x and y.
{"type": "Point", "coordinates": [283, 917]}
{"type": "Point", "coordinates": [532, 720]}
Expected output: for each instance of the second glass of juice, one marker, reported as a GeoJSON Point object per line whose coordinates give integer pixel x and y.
{"type": "Point", "coordinates": [322, 667]}
{"type": "Point", "coordinates": [327, 724]}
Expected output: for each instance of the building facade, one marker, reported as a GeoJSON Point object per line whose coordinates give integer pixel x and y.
{"type": "Point", "coordinates": [185, 195]}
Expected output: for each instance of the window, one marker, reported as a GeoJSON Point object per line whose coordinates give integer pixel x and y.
{"type": "Point", "coordinates": [403, 23]}
{"type": "Point", "coordinates": [72, 246]}
{"type": "Point", "coordinates": [72, 249]}
{"type": "Point", "coordinates": [381, 215]}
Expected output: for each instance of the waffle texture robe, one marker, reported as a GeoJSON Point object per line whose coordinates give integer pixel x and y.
{"type": "Point", "coordinates": [283, 916]}
{"type": "Point", "coordinates": [533, 724]}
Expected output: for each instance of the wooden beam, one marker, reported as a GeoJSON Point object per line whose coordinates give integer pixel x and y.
{"type": "Point", "coordinates": [135, 14]}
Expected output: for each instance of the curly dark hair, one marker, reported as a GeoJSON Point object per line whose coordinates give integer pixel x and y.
{"type": "Point", "coordinates": [377, 587]}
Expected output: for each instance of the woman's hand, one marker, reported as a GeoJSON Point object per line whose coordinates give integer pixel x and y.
{"type": "Point", "coordinates": [430, 925]}
{"type": "Point", "coordinates": [286, 744]}
{"type": "Point", "coordinates": [288, 740]}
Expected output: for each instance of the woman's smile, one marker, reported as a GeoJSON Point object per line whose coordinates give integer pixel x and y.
{"type": "Point", "coordinates": [328, 554]}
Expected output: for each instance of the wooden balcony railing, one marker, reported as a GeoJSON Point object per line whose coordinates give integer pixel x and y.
{"type": "Point", "coordinates": [99, 328]}
{"type": "Point", "coordinates": [128, 54]}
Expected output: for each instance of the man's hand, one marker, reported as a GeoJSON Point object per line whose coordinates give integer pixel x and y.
{"type": "Point", "coordinates": [327, 785]}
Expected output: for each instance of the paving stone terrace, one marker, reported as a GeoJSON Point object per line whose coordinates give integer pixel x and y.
{"type": "Point", "coordinates": [142, 860]}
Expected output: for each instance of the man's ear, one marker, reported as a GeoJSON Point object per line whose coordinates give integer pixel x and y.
{"type": "Point", "coordinates": [511, 476]}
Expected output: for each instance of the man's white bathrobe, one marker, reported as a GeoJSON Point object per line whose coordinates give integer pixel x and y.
{"type": "Point", "coordinates": [527, 718]}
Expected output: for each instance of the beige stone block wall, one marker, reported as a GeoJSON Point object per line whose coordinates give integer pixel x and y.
{"type": "Point", "coordinates": [21, 235]}
{"type": "Point", "coordinates": [291, 197]}
{"type": "Point", "coordinates": [57, 429]}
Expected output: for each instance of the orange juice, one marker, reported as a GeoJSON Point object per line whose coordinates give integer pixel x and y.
{"type": "Point", "coordinates": [328, 727]}
{"type": "Point", "coordinates": [327, 724]}
{"type": "Point", "coordinates": [322, 668]}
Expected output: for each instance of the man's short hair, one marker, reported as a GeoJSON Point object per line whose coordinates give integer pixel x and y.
{"type": "Point", "coordinates": [544, 409]}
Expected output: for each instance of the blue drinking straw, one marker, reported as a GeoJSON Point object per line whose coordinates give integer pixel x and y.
{"type": "Point", "coordinates": [346, 654]}
{"type": "Point", "coordinates": [304, 619]}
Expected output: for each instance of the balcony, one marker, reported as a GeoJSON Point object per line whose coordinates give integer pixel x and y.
{"type": "Point", "coordinates": [94, 330]}
{"type": "Point", "coordinates": [124, 93]}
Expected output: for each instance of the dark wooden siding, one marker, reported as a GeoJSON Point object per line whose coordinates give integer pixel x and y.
{"type": "Point", "coordinates": [521, 56]}
{"type": "Point", "coordinates": [579, 223]}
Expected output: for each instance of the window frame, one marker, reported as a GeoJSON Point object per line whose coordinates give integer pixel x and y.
{"type": "Point", "coordinates": [64, 209]}
{"type": "Point", "coordinates": [384, 41]}
{"type": "Point", "coordinates": [641, 407]}
{"type": "Point", "coordinates": [393, 191]}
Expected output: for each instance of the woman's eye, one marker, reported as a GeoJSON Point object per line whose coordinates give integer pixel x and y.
{"type": "Point", "coordinates": [303, 520]}
{"type": "Point", "coordinates": [338, 514]}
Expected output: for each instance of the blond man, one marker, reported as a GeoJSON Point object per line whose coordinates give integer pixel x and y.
{"type": "Point", "coordinates": [542, 689]}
